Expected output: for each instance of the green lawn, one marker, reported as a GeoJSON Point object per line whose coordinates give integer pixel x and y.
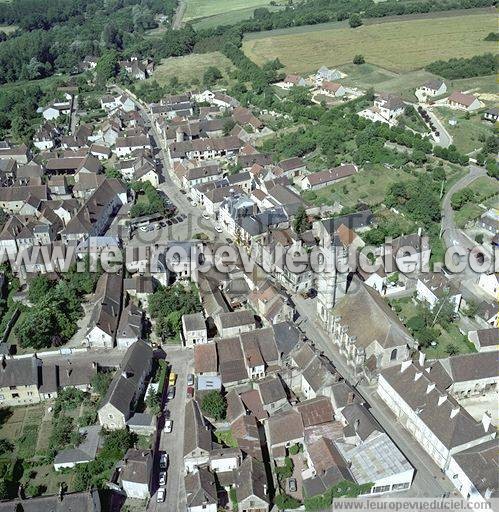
{"type": "Point", "coordinates": [469, 134]}
{"type": "Point", "coordinates": [486, 191]}
{"type": "Point", "coordinates": [203, 8]}
{"type": "Point", "coordinates": [368, 185]}
{"type": "Point", "coordinates": [226, 437]}
{"type": "Point", "coordinates": [190, 67]}
{"type": "Point", "coordinates": [395, 44]}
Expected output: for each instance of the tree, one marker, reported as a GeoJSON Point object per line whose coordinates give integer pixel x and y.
{"type": "Point", "coordinates": [100, 382]}
{"type": "Point", "coordinates": [355, 21]}
{"type": "Point", "coordinates": [107, 67]}
{"type": "Point", "coordinates": [4, 490]}
{"type": "Point", "coordinates": [359, 59]}
{"type": "Point", "coordinates": [5, 446]}
{"type": "Point", "coordinates": [214, 405]}
{"type": "Point", "coordinates": [459, 199]}
{"type": "Point", "coordinates": [451, 349]}
{"type": "Point", "coordinates": [153, 402]}
{"type": "Point", "coordinates": [211, 76]}
{"type": "Point", "coordinates": [229, 123]}
{"type": "Point", "coordinates": [301, 222]}
{"type": "Point", "coordinates": [39, 287]}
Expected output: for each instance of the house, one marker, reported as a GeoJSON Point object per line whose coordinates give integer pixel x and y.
{"type": "Point", "coordinates": [127, 385]}
{"type": "Point", "coordinates": [292, 167]}
{"type": "Point", "coordinates": [272, 394]}
{"type": "Point", "coordinates": [55, 109]}
{"type": "Point", "coordinates": [194, 330]}
{"type": "Point", "coordinates": [284, 429]}
{"type": "Point", "coordinates": [435, 287]}
{"type": "Point", "coordinates": [492, 115]}
{"type": "Point", "coordinates": [326, 74]}
{"type": "Point", "coordinates": [489, 220]}
{"type": "Point", "coordinates": [252, 486]}
{"type": "Point", "coordinates": [462, 101]}
{"type": "Point", "coordinates": [366, 330]}
{"type": "Point", "coordinates": [206, 359]}
{"type": "Point", "coordinates": [20, 154]}
{"type": "Point", "coordinates": [223, 460]}
{"type": "Point", "coordinates": [126, 145]}
{"type": "Point", "coordinates": [205, 149]}
{"type": "Point", "coordinates": [292, 81]}
{"type": "Point", "coordinates": [474, 472]}
{"type": "Point", "coordinates": [390, 106]}
{"type": "Point", "coordinates": [201, 491]}
{"type": "Point", "coordinates": [142, 424]}
{"type": "Point", "coordinates": [85, 451]}
{"type": "Point", "coordinates": [322, 179]}
{"type": "Point", "coordinates": [130, 326]}
{"type": "Point", "coordinates": [434, 87]}
{"type": "Point", "coordinates": [136, 474]}
{"type": "Point", "coordinates": [243, 116]}
{"type": "Point", "coordinates": [235, 322]}
{"type": "Point", "coordinates": [270, 304]}
{"type": "Point", "coordinates": [434, 418]}
{"type": "Point", "coordinates": [45, 137]}
{"type": "Point", "coordinates": [101, 152]}
{"type": "Point", "coordinates": [197, 438]}
{"type": "Point", "coordinates": [489, 283]}
{"type": "Point", "coordinates": [333, 89]}
{"type": "Point", "coordinates": [86, 501]}
{"type": "Point", "coordinates": [19, 381]}
{"type": "Point", "coordinates": [231, 364]}
{"type": "Point", "coordinates": [103, 323]}
{"type": "Point", "coordinates": [485, 340]}
{"type": "Point", "coordinates": [409, 254]}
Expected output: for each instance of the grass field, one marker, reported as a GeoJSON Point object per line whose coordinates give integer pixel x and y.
{"type": "Point", "coordinates": [468, 134]}
{"type": "Point", "coordinates": [486, 191]}
{"type": "Point", "coordinates": [368, 186]}
{"type": "Point", "coordinates": [229, 17]}
{"type": "Point", "coordinates": [203, 8]}
{"type": "Point", "coordinates": [397, 46]}
{"type": "Point", "coordinates": [190, 67]}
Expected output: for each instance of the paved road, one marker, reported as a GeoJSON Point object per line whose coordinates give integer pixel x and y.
{"type": "Point", "coordinates": [179, 14]}
{"type": "Point", "coordinates": [181, 361]}
{"type": "Point", "coordinates": [445, 138]}
{"type": "Point", "coordinates": [429, 480]}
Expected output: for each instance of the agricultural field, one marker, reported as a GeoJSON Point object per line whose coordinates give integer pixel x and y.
{"type": "Point", "coordinates": [203, 8]}
{"type": "Point", "coordinates": [229, 17]}
{"type": "Point", "coordinates": [397, 46]}
{"type": "Point", "coordinates": [8, 28]}
{"type": "Point", "coordinates": [190, 67]}
{"type": "Point", "coordinates": [468, 134]}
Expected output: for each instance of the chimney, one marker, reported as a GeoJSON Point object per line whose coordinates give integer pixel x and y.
{"type": "Point", "coordinates": [350, 398]}
{"type": "Point", "coordinates": [61, 492]}
{"type": "Point", "coordinates": [4, 362]}
{"type": "Point", "coordinates": [486, 421]}
{"type": "Point", "coordinates": [405, 365]}
{"type": "Point", "coordinates": [422, 357]}
{"type": "Point", "coordinates": [419, 231]}
{"type": "Point", "coordinates": [441, 400]}
{"type": "Point", "coordinates": [430, 388]}
{"type": "Point", "coordinates": [454, 412]}
{"type": "Point", "coordinates": [417, 376]}
{"type": "Point", "coordinates": [265, 489]}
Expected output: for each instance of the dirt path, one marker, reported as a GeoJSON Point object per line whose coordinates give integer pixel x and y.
{"type": "Point", "coordinates": [179, 14]}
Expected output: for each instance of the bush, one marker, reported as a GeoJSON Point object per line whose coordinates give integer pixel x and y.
{"type": "Point", "coordinates": [295, 449]}
{"type": "Point", "coordinates": [359, 59]}
{"type": "Point", "coordinates": [285, 471]}
{"type": "Point", "coordinates": [284, 502]}
{"type": "Point", "coordinates": [355, 21]}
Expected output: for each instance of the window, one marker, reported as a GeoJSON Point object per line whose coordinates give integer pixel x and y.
{"type": "Point", "coordinates": [393, 355]}
{"type": "Point", "coordinates": [15, 395]}
{"type": "Point", "coordinates": [399, 487]}
{"type": "Point", "coordinates": [381, 488]}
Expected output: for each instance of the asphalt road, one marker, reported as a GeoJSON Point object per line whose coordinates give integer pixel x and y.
{"type": "Point", "coordinates": [445, 139]}
{"type": "Point", "coordinates": [429, 480]}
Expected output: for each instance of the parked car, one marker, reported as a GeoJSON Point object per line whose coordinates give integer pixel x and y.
{"type": "Point", "coordinates": [190, 392]}
{"type": "Point", "coordinates": [292, 484]}
{"type": "Point", "coordinates": [171, 393]}
{"type": "Point", "coordinates": [160, 498]}
{"type": "Point", "coordinates": [206, 215]}
{"type": "Point", "coordinates": [168, 426]}
{"type": "Point", "coordinates": [190, 379]}
{"type": "Point", "coordinates": [163, 461]}
{"type": "Point", "coordinates": [162, 478]}
{"type": "Point", "coordinates": [218, 228]}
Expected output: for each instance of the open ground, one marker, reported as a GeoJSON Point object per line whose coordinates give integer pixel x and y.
{"type": "Point", "coordinates": [397, 46]}
{"type": "Point", "coordinates": [203, 8]}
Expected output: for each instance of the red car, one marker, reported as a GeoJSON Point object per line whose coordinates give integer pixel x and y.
{"type": "Point", "coordinates": [190, 392]}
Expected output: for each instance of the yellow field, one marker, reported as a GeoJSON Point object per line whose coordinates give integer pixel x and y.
{"type": "Point", "coordinates": [394, 45]}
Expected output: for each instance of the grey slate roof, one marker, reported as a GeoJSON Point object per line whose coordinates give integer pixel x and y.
{"type": "Point", "coordinates": [196, 433]}
{"type": "Point", "coordinates": [200, 488]}
{"type": "Point", "coordinates": [135, 364]}
{"type": "Point", "coordinates": [87, 501]}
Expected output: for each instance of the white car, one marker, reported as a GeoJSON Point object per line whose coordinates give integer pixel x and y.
{"type": "Point", "coordinates": [168, 426]}
{"type": "Point", "coordinates": [162, 478]}
{"type": "Point", "coordinates": [144, 228]}
{"type": "Point", "coordinates": [218, 228]}
{"type": "Point", "coordinates": [161, 495]}
{"type": "Point", "coordinates": [206, 216]}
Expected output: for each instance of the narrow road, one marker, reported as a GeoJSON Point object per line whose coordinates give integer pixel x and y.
{"type": "Point", "coordinates": [451, 234]}
{"type": "Point", "coordinates": [445, 138]}
{"type": "Point", "coordinates": [179, 14]}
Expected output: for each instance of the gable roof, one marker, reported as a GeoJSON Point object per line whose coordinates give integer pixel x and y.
{"type": "Point", "coordinates": [196, 433]}
{"type": "Point", "coordinates": [201, 488]}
